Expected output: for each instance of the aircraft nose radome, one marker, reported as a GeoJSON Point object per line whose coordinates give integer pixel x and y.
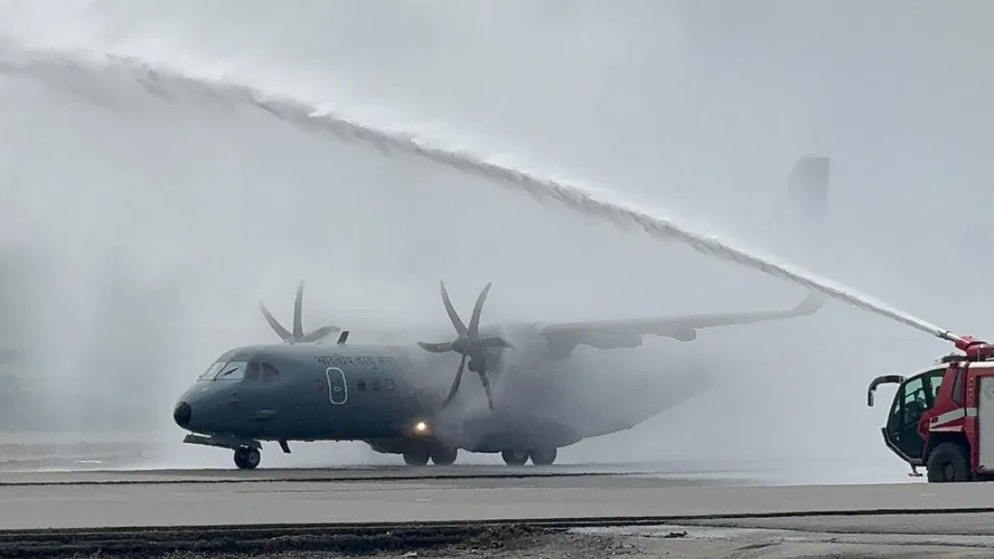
{"type": "Point", "coordinates": [182, 414]}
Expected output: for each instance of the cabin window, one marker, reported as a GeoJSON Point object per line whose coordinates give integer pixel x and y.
{"type": "Point", "coordinates": [376, 385]}
{"type": "Point", "coordinates": [361, 384]}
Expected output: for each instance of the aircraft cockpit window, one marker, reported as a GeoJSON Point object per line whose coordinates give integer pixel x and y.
{"type": "Point", "coordinates": [269, 373]}
{"type": "Point", "coordinates": [211, 371]}
{"type": "Point", "coordinates": [252, 372]}
{"type": "Point", "coordinates": [235, 370]}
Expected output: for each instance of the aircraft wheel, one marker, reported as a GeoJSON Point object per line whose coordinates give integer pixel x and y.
{"type": "Point", "coordinates": [247, 458]}
{"type": "Point", "coordinates": [444, 455]}
{"type": "Point", "coordinates": [514, 457]}
{"type": "Point", "coordinates": [543, 457]}
{"type": "Point", "coordinates": [418, 457]}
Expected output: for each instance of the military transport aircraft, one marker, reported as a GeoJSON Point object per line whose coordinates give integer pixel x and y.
{"type": "Point", "coordinates": [401, 398]}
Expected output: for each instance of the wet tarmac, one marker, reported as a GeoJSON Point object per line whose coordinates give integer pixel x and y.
{"type": "Point", "coordinates": [646, 509]}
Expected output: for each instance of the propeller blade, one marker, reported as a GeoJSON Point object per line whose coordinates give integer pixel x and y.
{"type": "Point", "coordinates": [468, 343]}
{"type": "Point", "coordinates": [274, 324]}
{"type": "Point", "coordinates": [453, 315]}
{"type": "Point", "coordinates": [436, 348]}
{"type": "Point", "coordinates": [474, 321]}
{"type": "Point", "coordinates": [320, 333]}
{"type": "Point", "coordinates": [455, 382]}
{"type": "Point", "coordinates": [298, 303]}
{"type": "Point", "coordinates": [486, 388]}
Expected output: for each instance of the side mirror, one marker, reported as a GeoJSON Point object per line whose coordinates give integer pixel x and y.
{"type": "Point", "coordinates": [885, 379]}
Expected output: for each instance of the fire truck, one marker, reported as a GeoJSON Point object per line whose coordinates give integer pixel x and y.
{"type": "Point", "coordinates": [942, 418]}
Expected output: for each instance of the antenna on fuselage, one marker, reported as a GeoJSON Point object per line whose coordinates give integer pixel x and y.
{"type": "Point", "coordinates": [342, 337]}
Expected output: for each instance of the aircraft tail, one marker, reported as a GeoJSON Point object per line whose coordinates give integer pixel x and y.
{"type": "Point", "coordinates": [807, 199]}
{"type": "Point", "coordinates": [807, 195]}
{"type": "Point", "coordinates": [800, 222]}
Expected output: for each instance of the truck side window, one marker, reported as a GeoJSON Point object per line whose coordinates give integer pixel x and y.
{"type": "Point", "coordinates": [914, 401]}
{"type": "Point", "coordinates": [959, 387]}
{"type": "Point", "coordinates": [934, 383]}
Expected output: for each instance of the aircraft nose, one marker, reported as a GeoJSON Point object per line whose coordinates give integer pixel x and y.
{"type": "Point", "coordinates": [182, 414]}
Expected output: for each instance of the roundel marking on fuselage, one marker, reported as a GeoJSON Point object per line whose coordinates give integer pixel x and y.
{"type": "Point", "coordinates": [338, 390]}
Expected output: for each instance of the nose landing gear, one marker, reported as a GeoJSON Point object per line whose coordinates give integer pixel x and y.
{"type": "Point", "coordinates": [247, 451]}
{"type": "Point", "coordinates": [247, 458]}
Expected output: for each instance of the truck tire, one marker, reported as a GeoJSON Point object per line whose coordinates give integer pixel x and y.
{"type": "Point", "coordinates": [948, 463]}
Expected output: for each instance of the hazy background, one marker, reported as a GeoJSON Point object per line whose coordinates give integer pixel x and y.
{"type": "Point", "coordinates": [153, 226]}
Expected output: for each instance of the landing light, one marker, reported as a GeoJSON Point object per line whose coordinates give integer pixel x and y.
{"type": "Point", "coordinates": [421, 427]}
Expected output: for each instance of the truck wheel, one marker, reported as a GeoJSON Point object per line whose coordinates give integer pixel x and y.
{"type": "Point", "coordinates": [948, 463]}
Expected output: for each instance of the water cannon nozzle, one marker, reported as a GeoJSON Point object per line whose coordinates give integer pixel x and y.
{"type": "Point", "coordinates": [950, 337]}
{"type": "Point", "coordinates": [975, 349]}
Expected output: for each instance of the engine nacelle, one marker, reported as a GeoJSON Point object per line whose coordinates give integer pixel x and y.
{"type": "Point", "coordinates": [477, 364]}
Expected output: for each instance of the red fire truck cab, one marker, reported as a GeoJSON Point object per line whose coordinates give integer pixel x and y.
{"type": "Point", "coordinates": [942, 418]}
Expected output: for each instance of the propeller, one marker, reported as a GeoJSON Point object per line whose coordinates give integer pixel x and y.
{"type": "Point", "coordinates": [297, 336]}
{"type": "Point", "coordinates": [468, 343]}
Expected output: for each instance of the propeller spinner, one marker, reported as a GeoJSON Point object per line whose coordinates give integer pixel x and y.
{"type": "Point", "coordinates": [297, 336]}
{"type": "Point", "coordinates": [468, 343]}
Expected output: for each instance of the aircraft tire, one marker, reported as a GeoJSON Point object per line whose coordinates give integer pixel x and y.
{"type": "Point", "coordinates": [544, 456]}
{"type": "Point", "coordinates": [418, 457]}
{"type": "Point", "coordinates": [514, 457]}
{"type": "Point", "coordinates": [444, 455]}
{"type": "Point", "coordinates": [247, 458]}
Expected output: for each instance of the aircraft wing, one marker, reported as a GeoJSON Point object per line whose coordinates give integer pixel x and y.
{"type": "Point", "coordinates": [562, 338]}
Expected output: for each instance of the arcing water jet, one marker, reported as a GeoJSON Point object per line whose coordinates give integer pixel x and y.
{"type": "Point", "coordinates": [55, 67]}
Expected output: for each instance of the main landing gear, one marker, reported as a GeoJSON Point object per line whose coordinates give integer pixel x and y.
{"type": "Point", "coordinates": [438, 454]}
{"type": "Point", "coordinates": [540, 457]}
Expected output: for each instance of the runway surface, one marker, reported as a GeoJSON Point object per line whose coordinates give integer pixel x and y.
{"type": "Point", "coordinates": [67, 500]}
{"type": "Point", "coordinates": [375, 509]}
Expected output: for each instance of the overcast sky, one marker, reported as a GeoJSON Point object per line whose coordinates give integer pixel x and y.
{"type": "Point", "coordinates": [697, 109]}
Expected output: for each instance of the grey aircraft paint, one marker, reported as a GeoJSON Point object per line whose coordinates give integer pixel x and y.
{"type": "Point", "coordinates": [404, 399]}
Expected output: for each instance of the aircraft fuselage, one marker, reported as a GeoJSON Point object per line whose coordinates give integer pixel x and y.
{"type": "Point", "coordinates": [388, 396]}
{"type": "Point", "coordinates": [305, 392]}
